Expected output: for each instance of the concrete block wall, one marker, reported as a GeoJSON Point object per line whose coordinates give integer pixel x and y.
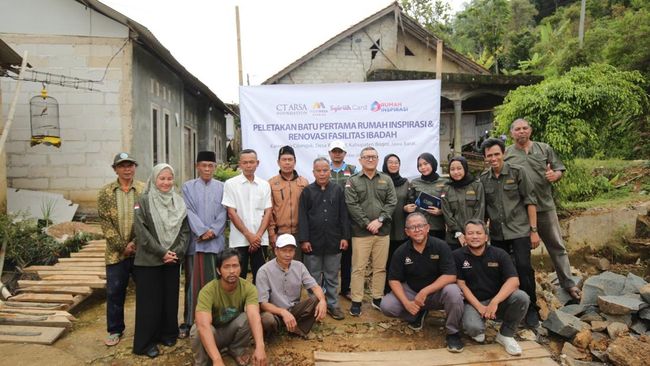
{"type": "Point", "coordinates": [92, 122]}
{"type": "Point", "coordinates": [350, 59]}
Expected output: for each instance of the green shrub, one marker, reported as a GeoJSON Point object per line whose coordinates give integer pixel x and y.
{"type": "Point", "coordinates": [579, 184]}
{"type": "Point", "coordinates": [27, 244]}
{"type": "Point", "coordinates": [224, 172]}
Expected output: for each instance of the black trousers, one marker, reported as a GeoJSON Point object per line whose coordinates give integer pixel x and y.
{"type": "Point", "coordinates": [156, 305]}
{"type": "Point", "coordinates": [519, 249]}
{"type": "Point", "coordinates": [346, 268]}
{"type": "Point", "coordinates": [117, 280]}
{"type": "Point", "coordinates": [256, 259]}
{"type": "Point", "coordinates": [394, 244]}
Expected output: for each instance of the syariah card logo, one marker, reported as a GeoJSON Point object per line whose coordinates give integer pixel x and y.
{"type": "Point", "coordinates": [318, 109]}
{"type": "Point", "coordinates": [388, 107]}
{"type": "Point", "coordinates": [291, 109]}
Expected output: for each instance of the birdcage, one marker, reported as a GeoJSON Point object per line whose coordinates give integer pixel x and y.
{"type": "Point", "coordinates": [44, 120]}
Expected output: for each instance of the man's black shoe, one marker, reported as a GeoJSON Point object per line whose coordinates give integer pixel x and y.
{"type": "Point", "coordinates": [376, 303]}
{"type": "Point", "coordinates": [152, 352]}
{"type": "Point", "coordinates": [355, 309]}
{"type": "Point", "coordinates": [454, 343]}
{"type": "Point", "coordinates": [168, 342]}
{"type": "Point", "coordinates": [418, 323]}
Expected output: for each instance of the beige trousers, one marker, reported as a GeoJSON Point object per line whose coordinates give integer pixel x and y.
{"type": "Point", "coordinates": [374, 249]}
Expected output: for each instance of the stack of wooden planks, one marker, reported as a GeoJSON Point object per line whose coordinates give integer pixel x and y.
{"type": "Point", "coordinates": [489, 354]}
{"type": "Point", "coordinates": [39, 312]}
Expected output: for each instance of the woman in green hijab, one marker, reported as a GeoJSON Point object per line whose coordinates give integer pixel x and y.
{"type": "Point", "coordinates": [162, 235]}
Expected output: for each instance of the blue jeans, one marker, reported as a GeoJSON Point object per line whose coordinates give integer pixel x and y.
{"type": "Point", "coordinates": [325, 269]}
{"type": "Point", "coordinates": [117, 280]}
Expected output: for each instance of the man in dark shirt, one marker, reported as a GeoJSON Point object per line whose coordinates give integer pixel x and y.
{"type": "Point", "coordinates": [489, 282]}
{"type": "Point", "coordinates": [323, 229]}
{"type": "Point", "coordinates": [422, 276]}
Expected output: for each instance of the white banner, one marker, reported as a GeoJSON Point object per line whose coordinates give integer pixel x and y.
{"type": "Point", "coordinates": [400, 117]}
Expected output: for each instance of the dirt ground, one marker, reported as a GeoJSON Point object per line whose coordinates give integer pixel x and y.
{"type": "Point", "coordinates": [83, 344]}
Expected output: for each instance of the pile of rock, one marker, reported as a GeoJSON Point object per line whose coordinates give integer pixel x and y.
{"type": "Point", "coordinates": [611, 323]}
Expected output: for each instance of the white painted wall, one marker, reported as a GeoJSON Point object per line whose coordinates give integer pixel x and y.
{"type": "Point", "coordinates": [57, 17]}
{"type": "Point", "coordinates": [91, 122]}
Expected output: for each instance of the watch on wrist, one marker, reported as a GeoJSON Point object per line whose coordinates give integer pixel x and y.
{"type": "Point", "coordinates": [458, 234]}
{"type": "Point", "coordinates": [533, 229]}
{"type": "Point", "coordinates": [380, 219]}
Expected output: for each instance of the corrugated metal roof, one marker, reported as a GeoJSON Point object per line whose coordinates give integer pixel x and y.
{"type": "Point", "coordinates": [9, 59]}
{"type": "Point", "coordinates": [143, 36]}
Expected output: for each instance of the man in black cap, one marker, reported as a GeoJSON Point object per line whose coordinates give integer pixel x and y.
{"type": "Point", "coordinates": [286, 188]}
{"type": "Point", "coordinates": [207, 218]}
{"type": "Point", "coordinates": [115, 203]}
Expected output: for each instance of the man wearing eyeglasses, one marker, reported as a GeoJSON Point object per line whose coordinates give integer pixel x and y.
{"type": "Point", "coordinates": [370, 197]}
{"type": "Point", "coordinates": [422, 277]}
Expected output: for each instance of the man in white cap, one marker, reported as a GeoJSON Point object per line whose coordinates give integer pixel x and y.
{"type": "Point", "coordinates": [279, 285]}
{"type": "Point", "coordinates": [340, 171]}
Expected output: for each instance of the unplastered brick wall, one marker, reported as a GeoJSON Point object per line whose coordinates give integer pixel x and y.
{"type": "Point", "coordinates": [350, 59]}
{"type": "Point", "coordinates": [91, 122]}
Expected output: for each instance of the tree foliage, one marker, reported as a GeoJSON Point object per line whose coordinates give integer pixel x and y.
{"type": "Point", "coordinates": [434, 15]}
{"type": "Point", "coordinates": [589, 111]}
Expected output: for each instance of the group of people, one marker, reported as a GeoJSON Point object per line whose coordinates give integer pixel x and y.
{"type": "Point", "coordinates": [424, 254]}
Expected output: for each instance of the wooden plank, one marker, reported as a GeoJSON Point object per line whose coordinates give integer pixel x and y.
{"type": "Point", "coordinates": [471, 354]}
{"type": "Point", "coordinates": [35, 320]}
{"type": "Point", "coordinates": [67, 272]}
{"type": "Point", "coordinates": [99, 241]}
{"type": "Point", "coordinates": [546, 361]}
{"type": "Point", "coordinates": [92, 249]}
{"type": "Point", "coordinates": [72, 290]}
{"type": "Point", "coordinates": [77, 300]}
{"type": "Point", "coordinates": [82, 265]}
{"type": "Point", "coordinates": [77, 267]}
{"type": "Point", "coordinates": [34, 269]}
{"type": "Point", "coordinates": [20, 305]}
{"type": "Point", "coordinates": [63, 277]}
{"type": "Point", "coordinates": [97, 283]}
{"type": "Point", "coordinates": [82, 260]}
{"type": "Point", "coordinates": [44, 298]}
{"type": "Point", "coordinates": [87, 255]}
{"type": "Point", "coordinates": [5, 310]}
{"type": "Point", "coordinates": [22, 334]}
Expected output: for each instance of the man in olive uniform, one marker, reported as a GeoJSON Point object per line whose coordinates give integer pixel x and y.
{"type": "Point", "coordinates": [371, 199]}
{"type": "Point", "coordinates": [510, 205]}
{"type": "Point", "coordinates": [543, 167]}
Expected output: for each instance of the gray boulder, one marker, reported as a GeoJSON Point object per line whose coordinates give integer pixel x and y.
{"type": "Point", "coordinates": [640, 327]}
{"type": "Point", "coordinates": [625, 319]}
{"type": "Point", "coordinates": [615, 329]}
{"type": "Point", "coordinates": [605, 284]}
{"type": "Point", "coordinates": [645, 314]}
{"type": "Point", "coordinates": [564, 324]}
{"type": "Point", "coordinates": [633, 284]}
{"type": "Point", "coordinates": [645, 293]}
{"type": "Point", "coordinates": [619, 305]}
{"type": "Point", "coordinates": [573, 309]}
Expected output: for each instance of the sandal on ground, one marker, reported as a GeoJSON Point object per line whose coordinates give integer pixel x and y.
{"type": "Point", "coordinates": [112, 339]}
{"type": "Point", "coordinates": [183, 331]}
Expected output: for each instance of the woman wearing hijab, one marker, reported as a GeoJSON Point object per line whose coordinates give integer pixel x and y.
{"type": "Point", "coordinates": [162, 234]}
{"type": "Point", "coordinates": [432, 184]}
{"type": "Point", "coordinates": [391, 167]}
{"type": "Point", "coordinates": [463, 200]}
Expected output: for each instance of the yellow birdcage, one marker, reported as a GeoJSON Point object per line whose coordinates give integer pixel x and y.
{"type": "Point", "coordinates": [44, 120]}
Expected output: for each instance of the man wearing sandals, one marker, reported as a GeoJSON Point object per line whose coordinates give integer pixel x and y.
{"type": "Point", "coordinates": [227, 314]}
{"type": "Point", "coordinates": [489, 281]}
{"type": "Point", "coordinates": [115, 204]}
{"type": "Point", "coordinates": [422, 276]}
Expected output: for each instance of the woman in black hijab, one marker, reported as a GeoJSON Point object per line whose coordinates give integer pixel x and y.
{"type": "Point", "coordinates": [392, 164]}
{"type": "Point", "coordinates": [463, 199]}
{"type": "Point", "coordinates": [432, 184]}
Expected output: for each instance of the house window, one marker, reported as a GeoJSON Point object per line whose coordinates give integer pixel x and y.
{"type": "Point", "coordinates": [375, 48]}
{"type": "Point", "coordinates": [189, 152]}
{"type": "Point", "coordinates": [166, 137]}
{"type": "Point", "coordinates": [154, 134]}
